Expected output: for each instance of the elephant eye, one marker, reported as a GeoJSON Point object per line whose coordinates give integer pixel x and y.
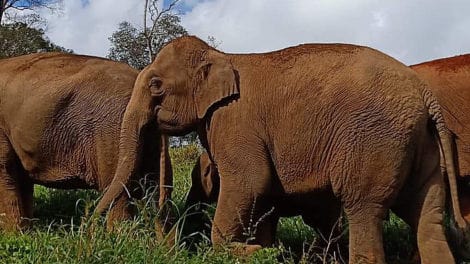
{"type": "Point", "coordinates": [156, 87]}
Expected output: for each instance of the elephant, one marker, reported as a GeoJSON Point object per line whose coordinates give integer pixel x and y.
{"type": "Point", "coordinates": [449, 81]}
{"type": "Point", "coordinates": [204, 190]}
{"type": "Point", "coordinates": [315, 123]}
{"type": "Point", "coordinates": [60, 122]}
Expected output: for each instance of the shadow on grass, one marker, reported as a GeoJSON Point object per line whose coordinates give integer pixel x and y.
{"type": "Point", "coordinates": [61, 206]}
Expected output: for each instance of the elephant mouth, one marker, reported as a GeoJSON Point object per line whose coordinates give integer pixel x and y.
{"type": "Point", "coordinates": [168, 123]}
{"type": "Point", "coordinates": [164, 117]}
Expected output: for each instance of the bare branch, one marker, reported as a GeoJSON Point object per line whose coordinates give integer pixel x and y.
{"type": "Point", "coordinates": [155, 16]}
{"type": "Point", "coordinates": [147, 35]}
{"type": "Point", "coordinates": [163, 12]}
{"type": "Point", "coordinates": [139, 47]}
{"type": "Point", "coordinates": [22, 5]}
{"type": "Point", "coordinates": [9, 4]}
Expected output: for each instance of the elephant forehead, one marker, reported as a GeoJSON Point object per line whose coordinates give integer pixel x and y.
{"type": "Point", "coordinates": [169, 65]}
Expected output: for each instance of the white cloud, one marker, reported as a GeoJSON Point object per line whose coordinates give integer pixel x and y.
{"type": "Point", "coordinates": [85, 28]}
{"type": "Point", "coordinates": [411, 31]}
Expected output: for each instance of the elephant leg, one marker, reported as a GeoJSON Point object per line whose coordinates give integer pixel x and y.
{"type": "Point", "coordinates": [266, 233]}
{"type": "Point", "coordinates": [27, 197]}
{"type": "Point", "coordinates": [121, 211]}
{"type": "Point", "coordinates": [235, 224]}
{"type": "Point", "coordinates": [239, 218]}
{"type": "Point", "coordinates": [15, 189]}
{"type": "Point", "coordinates": [425, 215]}
{"type": "Point", "coordinates": [244, 211]}
{"type": "Point", "coordinates": [365, 234]}
{"type": "Point", "coordinates": [327, 222]}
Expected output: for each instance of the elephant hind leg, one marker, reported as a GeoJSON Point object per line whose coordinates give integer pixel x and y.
{"type": "Point", "coordinates": [365, 234]}
{"type": "Point", "coordinates": [16, 189]}
{"type": "Point", "coordinates": [425, 215]}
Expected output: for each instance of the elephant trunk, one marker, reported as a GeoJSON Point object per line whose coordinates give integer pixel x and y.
{"type": "Point", "coordinates": [136, 116]}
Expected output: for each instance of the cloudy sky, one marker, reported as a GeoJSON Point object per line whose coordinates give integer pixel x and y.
{"type": "Point", "coordinates": [411, 31]}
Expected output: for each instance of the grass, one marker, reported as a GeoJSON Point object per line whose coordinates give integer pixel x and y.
{"type": "Point", "coordinates": [63, 232]}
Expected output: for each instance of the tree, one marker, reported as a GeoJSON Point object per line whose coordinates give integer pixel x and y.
{"type": "Point", "coordinates": [128, 44]}
{"type": "Point", "coordinates": [213, 42]}
{"type": "Point", "coordinates": [138, 47]}
{"type": "Point", "coordinates": [22, 5]}
{"type": "Point", "coordinates": [164, 27]}
{"type": "Point", "coordinates": [19, 39]}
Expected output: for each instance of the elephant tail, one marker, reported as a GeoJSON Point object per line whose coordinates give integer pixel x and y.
{"type": "Point", "coordinates": [448, 153]}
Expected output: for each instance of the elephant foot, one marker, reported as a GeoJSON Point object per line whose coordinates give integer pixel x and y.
{"type": "Point", "coordinates": [242, 249]}
{"type": "Point", "coordinates": [166, 234]}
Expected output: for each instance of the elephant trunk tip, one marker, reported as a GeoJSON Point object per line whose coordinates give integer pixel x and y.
{"type": "Point", "coordinates": [108, 198]}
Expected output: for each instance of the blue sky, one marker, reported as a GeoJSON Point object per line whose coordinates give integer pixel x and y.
{"type": "Point", "coordinates": [411, 31]}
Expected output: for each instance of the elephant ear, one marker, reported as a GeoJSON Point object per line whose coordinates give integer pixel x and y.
{"type": "Point", "coordinates": [217, 81]}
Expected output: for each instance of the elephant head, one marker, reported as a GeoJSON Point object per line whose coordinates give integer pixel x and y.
{"type": "Point", "coordinates": [187, 78]}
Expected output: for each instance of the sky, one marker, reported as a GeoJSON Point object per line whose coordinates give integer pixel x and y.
{"type": "Point", "coordinates": [411, 31]}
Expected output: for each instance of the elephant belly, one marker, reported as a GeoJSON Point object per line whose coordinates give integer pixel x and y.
{"type": "Point", "coordinates": [303, 203]}
{"type": "Point", "coordinates": [61, 178]}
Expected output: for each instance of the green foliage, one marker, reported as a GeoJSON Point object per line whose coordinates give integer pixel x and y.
{"type": "Point", "coordinates": [398, 240]}
{"type": "Point", "coordinates": [186, 155]}
{"type": "Point", "coordinates": [130, 45]}
{"type": "Point", "coordinates": [61, 206]}
{"type": "Point", "coordinates": [19, 39]}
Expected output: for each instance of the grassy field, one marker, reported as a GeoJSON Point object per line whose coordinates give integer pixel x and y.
{"type": "Point", "coordinates": [63, 233]}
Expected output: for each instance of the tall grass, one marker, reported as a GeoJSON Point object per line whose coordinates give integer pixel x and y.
{"type": "Point", "coordinates": [64, 232]}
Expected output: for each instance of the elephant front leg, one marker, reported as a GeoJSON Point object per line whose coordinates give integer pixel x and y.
{"type": "Point", "coordinates": [15, 189]}
{"type": "Point", "coordinates": [121, 210]}
{"type": "Point", "coordinates": [244, 217]}
{"type": "Point", "coordinates": [240, 222]}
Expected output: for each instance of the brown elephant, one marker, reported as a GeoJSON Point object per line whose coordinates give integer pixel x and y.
{"type": "Point", "coordinates": [205, 184]}
{"type": "Point", "coordinates": [60, 120]}
{"type": "Point", "coordinates": [316, 123]}
{"type": "Point", "coordinates": [449, 81]}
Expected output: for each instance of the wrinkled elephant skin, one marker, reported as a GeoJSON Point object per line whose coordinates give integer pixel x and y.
{"type": "Point", "coordinates": [449, 81]}
{"type": "Point", "coordinates": [60, 120]}
{"type": "Point", "coordinates": [291, 125]}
